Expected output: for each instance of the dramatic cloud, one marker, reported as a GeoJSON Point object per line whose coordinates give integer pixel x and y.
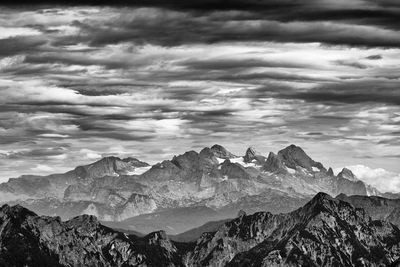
{"type": "Point", "coordinates": [380, 178]}
{"type": "Point", "coordinates": [153, 78]}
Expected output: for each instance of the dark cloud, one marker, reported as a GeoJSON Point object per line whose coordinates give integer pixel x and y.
{"type": "Point", "coordinates": [228, 64]}
{"type": "Point", "coordinates": [37, 153]}
{"type": "Point", "coordinates": [149, 75]}
{"type": "Point", "coordinates": [374, 57]}
{"type": "Point", "coordinates": [182, 28]}
{"type": "Point", "coordinates": [349, 92]}
{"type": "Point", "coordinates": [21, 44]}
{"type": "Point", "coordinates": [352, 64]}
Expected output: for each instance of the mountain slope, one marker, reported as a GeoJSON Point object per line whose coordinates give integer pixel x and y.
{"type": "Point", "coordinates": [378, 208]}
{"type": "Point", "coordinates": [324, 232]}
{"type": "Point", "coordinates": [29, 240]}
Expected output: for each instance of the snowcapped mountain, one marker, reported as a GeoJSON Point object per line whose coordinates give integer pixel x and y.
{"type": "Point", "coordinates": [116, 190]}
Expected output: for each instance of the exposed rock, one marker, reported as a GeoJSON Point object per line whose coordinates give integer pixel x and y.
{"type": "Point", "coordinates": [325, 232]}
{"type": "Point", "coordinates": [221, 152]}
{"type": "Point", "coordinates": [273, 163]}
{"type": "Point", "coordinates": [347, 174]}
{"type": "Point", "coordinates": [330, 172]}
{"type": "Point", "coordinates": [234, 171]}
{"type": "Point", "coordinates": [29, 240]}
{"type": "Point", "coordinates": [378, 208]}
{"type": "Point", "coordinates": [294, 156]}
{"type": "Point", "coordinates": [250, 154]}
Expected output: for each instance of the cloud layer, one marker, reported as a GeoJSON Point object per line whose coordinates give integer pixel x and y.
{"type": "Point", "coordinates": [153, 79]}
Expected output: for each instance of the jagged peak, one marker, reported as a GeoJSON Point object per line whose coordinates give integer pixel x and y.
{"type": "Point", "coordinates": [221, 152]}
{"type": "Point", "coordinates": [251, 151]}
{"type": "Point", "coordinates": [135, 160]}
{"type": "Point", "coordinates": [85, 221]}
{"type": "Point", "coordinates": [292, 149]}
{"type": "Point", "coordinates": [107, 159]}
{"type": "Point", "coordinates": [273, 163]}
{"type": "Point", "coordinates": [294, 156]}
{"type": "Point", "coordinates": [323, 202]}
{"type": "Point", "coordinates": [157, 236]}
{"type": "Point", "coordinates": [321, 196]}
{"type": "Point", "coordinates": [250, 154]}
{"type": "Point", "coordinates": [347, 174]}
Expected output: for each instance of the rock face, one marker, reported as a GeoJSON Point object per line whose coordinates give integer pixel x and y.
{"type": "Point", "coordinates": [294, 156]}
{"type": "Point", "coordinates": [29, 240]}
{"type": "Point", "coordinates": [325, 232]}
{"type": "Point", "coordinates": [273, 163]}
{"type": "Point", "coordinates": [252, 155]}
{"type": "Point", "coordinates": [221, 152]}
{"type": "Point", "coordinates": [347, 174]}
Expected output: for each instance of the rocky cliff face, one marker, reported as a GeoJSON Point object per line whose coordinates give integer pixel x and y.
{"type": "Point", "coordinates": [30, 240]}
{"type": "Point", "coordinates": [294, 156]}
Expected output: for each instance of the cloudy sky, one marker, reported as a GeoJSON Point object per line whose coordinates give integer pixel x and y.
{"type": "Point", "coordinates": [158, 79]}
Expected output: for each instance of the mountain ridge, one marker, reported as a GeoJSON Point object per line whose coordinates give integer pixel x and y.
{"type": "Point", "coordinates": [116, 189]}
{"type": "Point", "coordinates": [326, 231]}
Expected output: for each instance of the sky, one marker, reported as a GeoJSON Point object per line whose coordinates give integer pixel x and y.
{"type": "Point", "coordinates": [155, 79]}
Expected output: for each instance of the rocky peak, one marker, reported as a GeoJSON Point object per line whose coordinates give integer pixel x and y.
{"type": "Point", "coordinates": [186, 160]}
{"type": "Point", "coordinates": [347, 174]}
{"type": "Point", "coordinates": [273, 163]}
{"type": "Point", "coordinates": [330, 172]}
{"type": "Point", "coordinates": [135, 162]}
{"type": "Point", "coordinates": [85, 223]}
{"type": "Point", "coordinates": [157, 237]}
{"type": "Point", "coordinates": [15, 212]}
{"type": "Point", "coordinates": [82, 241]}
{"type": "Point", "coordinates": [221, 152]}
{"type": "Point", "coordinates": [250, 154]}
{"type": "Point", "coordinates": [294, 156]}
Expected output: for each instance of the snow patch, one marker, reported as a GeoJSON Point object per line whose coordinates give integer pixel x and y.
{"type": "Point", "coordinates": [315, 169]}
{"type": "Point", "coordinates": [139, 171]}
{"type": "Point", "coordinates": [220, 161]}
{"type": "Point", "coordinates": [291, 171]}
{"type": "Point", "coordinates": [240, 161]}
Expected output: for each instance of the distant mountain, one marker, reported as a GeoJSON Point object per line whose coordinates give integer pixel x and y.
{"type": "Point", "coordinates": [129, 190]}
{"type": "Point", "coordinates": [324, 232]}
{"type": "Point", "coordinates": [173, 221]}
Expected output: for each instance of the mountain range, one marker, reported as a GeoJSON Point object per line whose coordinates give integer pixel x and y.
{"type": "Point", "coordinates": [185, 192]}
{"type": "Point", "coordinates": [324, 232]}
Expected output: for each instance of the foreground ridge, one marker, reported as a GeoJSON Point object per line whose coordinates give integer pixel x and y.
{"type": "Point", "coordinates": [324, 232]}
{"type": "Point", "coordinates": [27, 239]}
